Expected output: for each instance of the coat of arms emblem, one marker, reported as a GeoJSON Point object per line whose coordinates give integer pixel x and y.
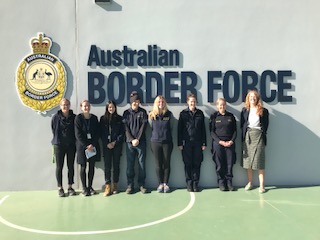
{"type": "Point", "coordinates": [41, 77]}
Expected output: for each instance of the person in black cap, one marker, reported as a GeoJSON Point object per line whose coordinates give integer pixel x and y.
{"type": "Point", "coordinates": [192, 141]}
{"type": "Point", "coordinates": [135, 120]}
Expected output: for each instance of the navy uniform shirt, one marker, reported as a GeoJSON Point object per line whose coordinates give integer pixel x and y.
{"type": "Point", "coordinates": [223, 127]}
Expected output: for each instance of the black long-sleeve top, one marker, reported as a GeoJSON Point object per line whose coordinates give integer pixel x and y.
{"type": "Point", "coordinates": [223, 127]}
{"type": "Point", "coordinates": [63, 129]}
{"type": "Point", "coordinates": [112, 131]}
{"type": "Point", "coordinates": [83, 127]}
{"type": "Point", "coordinates": [191, 128]}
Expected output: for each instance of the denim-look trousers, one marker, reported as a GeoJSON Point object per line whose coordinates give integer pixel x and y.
{"type": "Point", "coordinates": [133, 153]}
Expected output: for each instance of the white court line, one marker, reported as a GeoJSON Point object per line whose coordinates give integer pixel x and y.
{"type": "Point", "coordinates": [283, 202]}
{"type": "Point", "coordinates": [186, 209]}
{"type": "Point", "coordinates": [3, 199]}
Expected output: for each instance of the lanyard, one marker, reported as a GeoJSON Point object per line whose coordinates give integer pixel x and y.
{"type": "Point", "coordinates": [87, 124]}
{"type": "Point", "coordinates": [109, 131]}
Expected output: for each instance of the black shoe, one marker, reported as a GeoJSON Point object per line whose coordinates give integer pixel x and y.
{"type": "Point", "coordinates": [92, 191]}
{"type": "Point", "coordinates": [195, 187]}
{"type": "Point", "coordinates": [71, 192]}
{"type": "Point", "coordinates": [85, 193]}
{"type": "Point", "coordinates": [230, 187]}
{"type": "Point", "coordinates": [129, 190]}
{"type": "Point", "coordinates": [143, 190]}
{"type": "Point", "coordinates": [189, 188]}
{"type": "Point", "coordinates": [222, 188]}
{"type": "Point", "coordinates": [61, 192]}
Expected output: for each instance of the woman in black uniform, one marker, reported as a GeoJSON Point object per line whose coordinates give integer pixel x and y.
{"type": "Point", "coordinates": [223, 129]}
{"type": "Point", "coordinates": [192, 141]}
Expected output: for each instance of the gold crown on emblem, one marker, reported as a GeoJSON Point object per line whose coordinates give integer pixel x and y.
{"type": "Point", "coordinates": [41, 44]}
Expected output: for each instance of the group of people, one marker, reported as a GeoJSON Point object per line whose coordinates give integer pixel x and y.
{"type": "Point", "coordinates": [78, 135]}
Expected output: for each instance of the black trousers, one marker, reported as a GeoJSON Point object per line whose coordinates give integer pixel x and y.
{"type": "Point", "coordinates": [192, 157]}
{"type": "Point", "coordinates": [60, 151]}
{"type": "Point", "coordinates": [112, 162]}
{"type": "Point", "coordinates": [224, 158]}
{"type": "Point", "coordinates": [162, 154]}
{"type": "Point", "coordinates": [83, 174]}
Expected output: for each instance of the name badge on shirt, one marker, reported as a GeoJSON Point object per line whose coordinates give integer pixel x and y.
{"type": "Point", "coordinates": [88, 135]}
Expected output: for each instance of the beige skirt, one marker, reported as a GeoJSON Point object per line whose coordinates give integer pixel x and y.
{"type": "Point", "coordinates": [253, 150]}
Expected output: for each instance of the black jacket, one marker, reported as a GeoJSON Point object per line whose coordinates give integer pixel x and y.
{"type": "Point", "coordinates": [135, 123]}
{"type": "Point", "coordinates": [264, 123]}
{"type": "Point", "coordinates": [191, 128]}
{"type": "Point", "coordinates": [113, 130]}
{"type": "Point", "coordinates": [82, 128]}
{"type": "Point", "coordinates": [63, 129]}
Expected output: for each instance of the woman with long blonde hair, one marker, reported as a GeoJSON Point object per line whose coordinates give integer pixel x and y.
{"type": "Point", "coordinates": [161, 141]}
{"type": "Point", "coordinates": [254, 123]}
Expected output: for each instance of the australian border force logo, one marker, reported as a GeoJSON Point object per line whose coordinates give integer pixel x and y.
{"type": "Point", "coordinates": [41, 77]}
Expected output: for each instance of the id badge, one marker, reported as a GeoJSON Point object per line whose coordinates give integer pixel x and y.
{"type": "Point", "coordinates": [109, 138]}
{"type": "Point", "coordinates": [88, 135]}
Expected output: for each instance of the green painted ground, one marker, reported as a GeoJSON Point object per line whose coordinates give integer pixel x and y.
{"type": "Point", "coordinates": [281, 213]}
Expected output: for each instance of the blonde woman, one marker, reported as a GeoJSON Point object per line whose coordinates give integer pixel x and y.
{"type": "Point", "coordinates": [63, 141]}
{"type": "Point", "coordinates": [254, 123]}
{"type": "Point", "coordinates": [161, 141]}
{"type": "Point", "coordinates": [223, 130]}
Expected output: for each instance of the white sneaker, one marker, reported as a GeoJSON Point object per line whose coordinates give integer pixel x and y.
{"type": "Point", "coordinates": [160, 188]}
{"type": "Point", "coordinates": [166, 188]}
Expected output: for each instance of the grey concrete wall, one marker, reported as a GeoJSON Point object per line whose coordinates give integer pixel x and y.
{"type": "Point", "coordinates": [212, 35]}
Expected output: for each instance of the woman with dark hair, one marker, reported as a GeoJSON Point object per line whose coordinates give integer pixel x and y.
{"type": "Point", "coordinates": [192, 141]}
{"type": "Point", "coordinates": [112, 139]}
{"type": "Point", "coordinates": [87, 136]}
{"type": "Point", "coordinates": [254, 123]}
{"type": "Point", "coordinates": [63, 141]}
